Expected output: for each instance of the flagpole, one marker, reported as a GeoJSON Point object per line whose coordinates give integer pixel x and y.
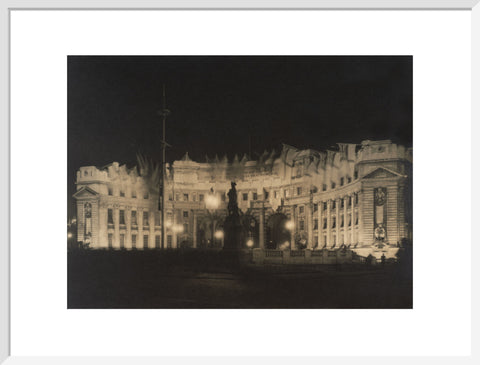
{"type": "Point", "coordinates": [161, 196]}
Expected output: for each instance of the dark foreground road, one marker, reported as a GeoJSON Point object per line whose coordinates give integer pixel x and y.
{"type": "Point", "coordinates": [206, 280]}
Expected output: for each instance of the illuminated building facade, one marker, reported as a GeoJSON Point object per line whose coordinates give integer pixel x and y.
{"type": "Point", "coordinates": [357, 196]}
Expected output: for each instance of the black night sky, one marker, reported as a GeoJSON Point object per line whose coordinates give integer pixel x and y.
{"type": "Point", "coordinates": [223, 105]}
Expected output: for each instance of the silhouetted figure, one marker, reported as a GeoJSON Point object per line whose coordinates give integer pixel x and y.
{"type": "Point", "coordinates": [383, 259]}
{"type": "Point", "coordinates": [232, 200]}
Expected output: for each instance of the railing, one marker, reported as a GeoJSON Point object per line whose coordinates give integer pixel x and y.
{"type": "Point", "coordinates": [273, 253]}
{"type": "Point", "coordinates": [297, 253]}
{"type": "Point", "coordinates": [317, 253]}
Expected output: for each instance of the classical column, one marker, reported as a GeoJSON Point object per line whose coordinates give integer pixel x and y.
{"type": "Point", "coordinates": [329, 222]}
{"type": "Point", "coordinates": [292, 231]}
{"type": "Point", "coordinates": [174, 229]}
{"type": "Point", "coordinates": [352, 215]}
{"type": "Point", "coordinates": [151, 226]}
{"type": "Point", "coordinates": [139, 244]}
{"type": "Point", "coordinates": [345, 220]}
{"type": "Point", "coordinates": [309, 225]}
{"type": "Point", "coordinates": [194, 228]}
{"type": "Point", "coordinates": [337, 213]}
{"type": "Point", "coordinates": [320, 224]}
{"type": "Point", "coordinates": [116, 222]}
{"type": "Point", "coordinates": [261, 242]}
{"type": "Point", "coordinates": [128, 221]}
{"type": "Point", "coordinates": [360, 218]}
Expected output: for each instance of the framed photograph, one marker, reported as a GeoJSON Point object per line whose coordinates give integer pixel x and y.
{"type": "Point", "coordinates": [244, 180]}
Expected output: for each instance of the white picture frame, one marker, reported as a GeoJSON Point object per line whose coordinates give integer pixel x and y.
{"type": "Point", "coordinates": [10, 6]}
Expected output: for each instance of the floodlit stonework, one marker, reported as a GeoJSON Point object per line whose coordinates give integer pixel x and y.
{"type": "Point", "coordinates": [356, 196]}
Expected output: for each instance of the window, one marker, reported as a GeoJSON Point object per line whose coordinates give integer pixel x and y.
{"type": "Point", "coordinates": [134, 194]}
{"type": "Point", "coordinates": [266, 194]}
{"type": "Point", "coordinates": [134, 240]}
{"type": "Point", "coordinates": [169, 241]}
{"type": "Point", "coordinates": [302, 224]}
{"type": "Point", "coordinates": [110, 216]}
{"type": "Point", "coordinates": [324, 223]}
{"type": "Point", "coordinates": [299, 191]}
{"type": "Point", "coordinates": [122, 216]}
{"type": "Point", "coordinates": [349, 180]}
{"type": "Point", "coordinates": [201, 197]}
{"type": "Point", "coordinates": [185, 197]}
{"type": "Point", "coordinates": [301, 209]}
{"type": "Point", "coordinates": [134, 217]}
{"type": "Point", "coordinates": [324, 240]}
{"type": "Point", "coordinates": [145, 195]}
{"type": "Point", "coordinates": [356, 220]}
{"type": "Point", "coordinates": [110, 191]}
{"type": "Point", "coordinates": [355, 175]}
{"type": "Point", "coordinates": [349, 201]}
{"type": "Point", "coordinates": [177, 197]}
{"type": "Point", "coordinates": [185, 214]}
{"type": "Point", "coordinates": [342, 203]}
{"type": "Point", "coordinates": [122, 193]}
{"type": "Point", "coordinates": [145, 241]}
{"type": "Point", "coordinates": [157, 219]}
{"type": "Point", "coordinates": [157, 241]}
{"type": "Point", "coordinates": [315, 224]}
{"type": "Point", "coordinates": [334, 204]}
{"type": "Point", "coordinates": [349, 220]}
{"type": "Point", "coordinates": [324, 187]}
{"type": "Point", "coordinates": [315, 208]}
{"type": "Point", "coordinates": [334, 222]}
{"type": "Point", "coordinates": [255, 196]}
{"type": "Point", "coordinates": [342, 181]}
{"type": "Point", "coordinates": [194, 197]}
{"type": "Point", "coordinates": [324, 205]}
{"type": "Point", "coordinates": [341, 221]}
{"type": "Point", "coordinates": [356, 198]}
{"type": "Point", "coordinates": [110, 240]}
{"type": "Point", "coordinates": [315, 240]}
{"type": "Point", "coordinates": [85, 173]}
{"type": "Point", "coordinates": [185, 227]}
{"type": "Point", "coordinates": [170, 197]}
{"type": "Point", "coordinates": [145, 219]}
{"type": "Point", "coordinates": [275, 194]}
{"type": "Point", "coordinates": [245, 196]}
{"type": "Point", "coordinates": [333, 185]}
{"type": "Point", "coordinates": [122, 240]}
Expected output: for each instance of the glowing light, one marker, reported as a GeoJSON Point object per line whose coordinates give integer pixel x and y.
{"type": "Point", "coordinates": [212, 202]}
{"type": "Point", "coordinates": [250, 243]}
{"type": "Point", "coordinates": [285, 245]}
{"type": "Point", "coordinates": [69, 235]}
{"type": "Point", "coordinates": [177, 228]}
{"type": "Point", "coordinates": [168, 224]}
{"type": "Point", "coordinates": [218, 235]}
{"type": "Point", "coordinates": [290, 225]}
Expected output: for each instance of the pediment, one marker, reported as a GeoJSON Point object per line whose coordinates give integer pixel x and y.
{"type": "Point", "coordinates": [85, 193]}
{"type": "Point", "coordinates": [382, 172]}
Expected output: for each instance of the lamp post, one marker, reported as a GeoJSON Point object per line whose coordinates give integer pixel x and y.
{"type": "Point", "coordinates": [290, 225]}
{"type": "Point", "coordinates": [212, 203]}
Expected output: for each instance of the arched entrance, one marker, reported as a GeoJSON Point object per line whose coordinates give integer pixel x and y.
{"type": "Point", "coordinates": [250, 227]}
{"type": "Point", "coordinates": [277, 234]}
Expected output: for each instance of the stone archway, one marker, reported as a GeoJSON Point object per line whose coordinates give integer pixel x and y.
{"type": "Point", "coordinates": [251, 229]}
{"type": "Point", "coordinates": [276, 231]}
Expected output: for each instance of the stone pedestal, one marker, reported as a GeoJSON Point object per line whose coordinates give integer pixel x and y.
{"type": "Point", "coordinates": [234, 235]}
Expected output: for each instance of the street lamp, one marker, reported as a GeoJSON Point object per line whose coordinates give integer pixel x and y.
{"type": "Point", "coordinates": [212, 202]}
{"type": "Point", "coordinates": [290, 225]}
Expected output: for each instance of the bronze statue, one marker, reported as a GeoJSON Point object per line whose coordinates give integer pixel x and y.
{"type": "Point", "coordinates": [232, 200]}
